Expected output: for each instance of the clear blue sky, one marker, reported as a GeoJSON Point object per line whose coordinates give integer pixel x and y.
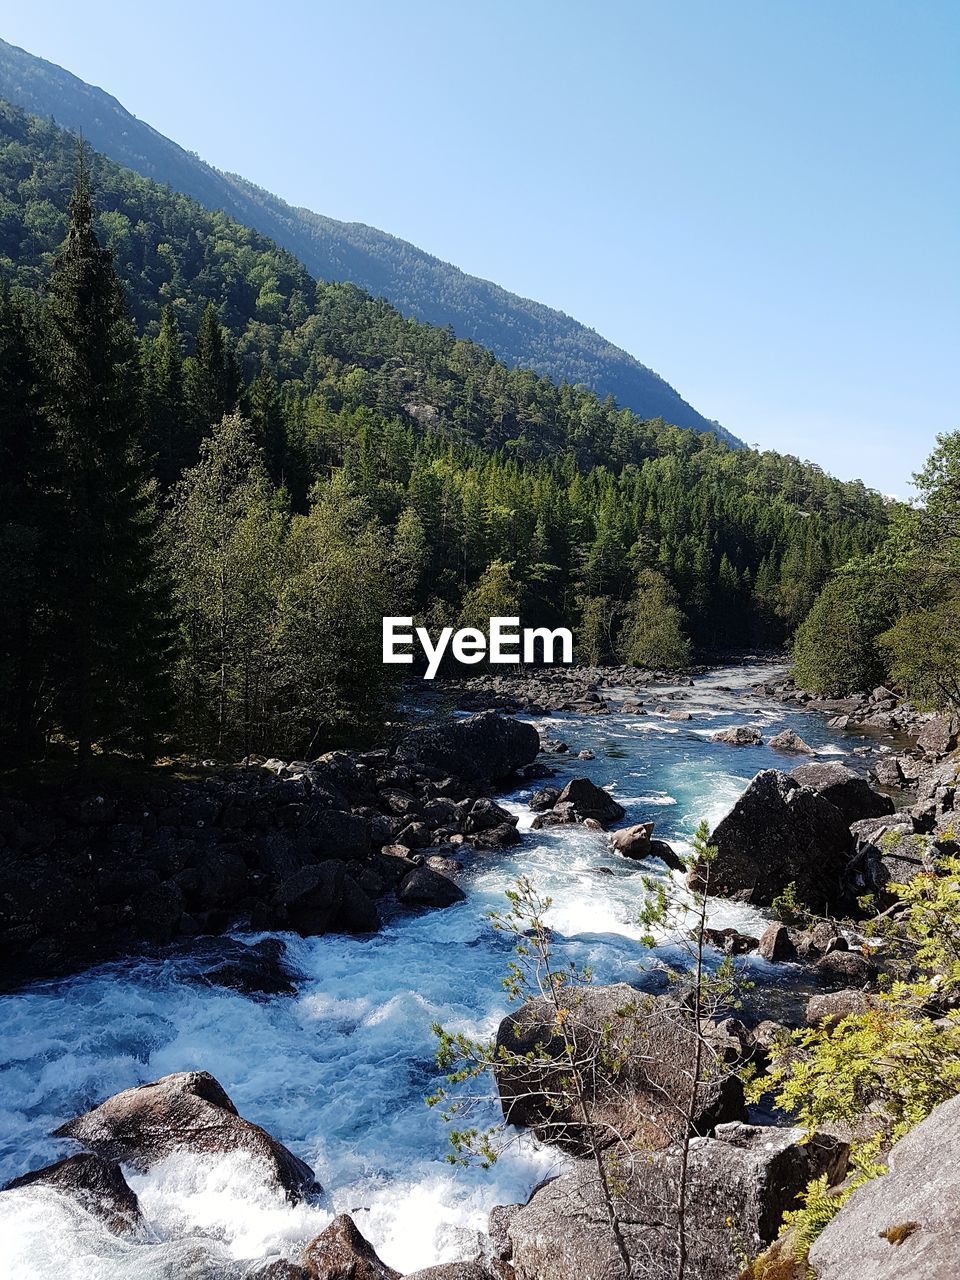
{"type": "Point", "coordinates": [759, 199]}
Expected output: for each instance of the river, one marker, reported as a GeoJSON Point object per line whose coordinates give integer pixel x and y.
{"type": "Point", "coordinates": [339, 1072]}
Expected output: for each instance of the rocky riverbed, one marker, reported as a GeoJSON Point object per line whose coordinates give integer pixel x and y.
{"type": "Point", "coordinates": [252, 1104]}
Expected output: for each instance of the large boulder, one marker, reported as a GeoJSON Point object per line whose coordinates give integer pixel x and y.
{"type": "Point", "coordinates": [487, 745]}
{"type": "Point", "coordinates": [591, 801]}
{"type": "Point", "coordinates": [779, 832]}
{"type": "Point", "coordinates": [846, 790]}
{"type": "Point", "coordinates": [906, 1224]}
{"type": "Point", "coordinates": [187, 1111]}
{"type": "Point", "coordinates": [341, 1252]}
{"type": "Point", "coordinates": [741, 736]}
{"type": "Point", "coordinates": [95, 1184]}
{"type": "Point", "coordinates": [424, 887]}
{"type": "Point", "coordinates": [634, 1052]}
{"type": "Point", "coordinates": [323, 897]}
{"type": "Point", "coordinates": [633, 842]}
{"type": "Point", "coordinates": [739, 1186]}
{"type": "Point", "coordinates": [253, 969]}
{"type": "Point", "coordinates": [938, 736]}
{"type": "Point", "coordinates": [789, 741]}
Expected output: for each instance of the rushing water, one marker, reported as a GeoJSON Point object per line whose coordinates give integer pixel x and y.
{"type": "Point", "coordinates": [340, 1071]}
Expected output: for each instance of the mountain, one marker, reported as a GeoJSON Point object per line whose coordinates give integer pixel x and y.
{"type": "Point", "coordinates": [518, 331]}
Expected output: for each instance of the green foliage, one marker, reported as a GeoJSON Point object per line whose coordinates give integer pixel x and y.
{"type": "Point", "coordinates": [835, 652]}
{"type": "Point", "coordinates": [653, 630]}
{"type": "Point", "coordinates": [882, 1071]}
{"type": "Point", "coordinates": [789, 909]}
{"type": "Point", "coordinates": [923, 654]}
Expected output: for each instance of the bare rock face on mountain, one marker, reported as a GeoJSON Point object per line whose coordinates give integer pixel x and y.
{"type": "Point", "coordinates": [342, 1252]}
{"type": "Point", "coordinates": [779, 832]}
{"type": "Point", "coordinates": [635, 1099]}
{"type": "Point", "coordinates": [746, 1176]}
{"type": "Point", "coordinates": [95, 1184]}
{"type": "Point", "coordinates": [487, 745]}
{"type": "Point", "coordinates": [188, 1111]}
{"type": "Point", "coordinates": [906, 1224]}
{"type": "Point", "coordinates": [852, 795]}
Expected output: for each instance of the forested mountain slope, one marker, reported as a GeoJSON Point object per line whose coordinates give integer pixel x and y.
{"type": "Point", "coordinates": [320, 461]}
{"type": "Point", "coordinates": [518, 331]}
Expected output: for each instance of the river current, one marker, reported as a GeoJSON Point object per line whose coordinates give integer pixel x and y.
{"type": "Point", "coordinates": [340, 1071]}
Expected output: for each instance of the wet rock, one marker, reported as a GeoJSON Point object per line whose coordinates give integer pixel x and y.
{"type": "Point", "coordinates": [636, 1103]}
{"type": "Point", "coordinates": [281, 1269]}
{"type": "Point", "coordinates": [679, 715]}
{"type": "Point", "coordinates": [443, 866]}
{"type": "Point", "coordinates": [256, 969]}
{"type": "Point", "coordinates": [887, 773]}
{"type": "Point", "coordinates": [485, 815]}
{"type": "Point", "coordinates": [776, 945]}
{"type": "Point", "coordinates": [778, 833]}
{"type": "Point", "coordinates": [544, 799]}
{"type": "Point", "coordinates": [667, 855]}
{"type": "Point", "coordinates": [746, 1175]}
{"type": "Point", "coordinates": [591, 801]}
{"type": "Point", "coordinates": [633, 842]}
{"type": "Point", "coordinates": [498, 1225]}
{"type": "Point", "coordinates": [741, 736]}
{"type": "Point", "coordinates": [487, 745]}
{"type": "Point", "coordinates": [502, 837]}
{"type": "Point", "coordinates": [187, 1111]}
{"type": "Point", "coordinates": [819, 940]}
{"type": "Point", "coordinates": [426, 888]}
{"type": "Point", "coordinates": [847, 791]}
{"type": "Point", "coordinates": [906, 1224]}
{"type": "Point", "coordinates": [322, 897]}
{"type": "Point", "coordinates": [731, 941]}
{"type": "Point", "coordinates": [341, 1252]}
{"type": "Point", "coordinates": [96, 1185]}
{"type": "Point", "coordinates": [789, 741]}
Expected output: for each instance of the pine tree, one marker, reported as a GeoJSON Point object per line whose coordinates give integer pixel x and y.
{"type": "Point", "coordinates": [110, 663]}
{"type": "Point", "coordinates": [28, 538]}
{"type": "Point", "coordinates": [168, 440]}
{"type": "Point", "coordinates": [211, 376]}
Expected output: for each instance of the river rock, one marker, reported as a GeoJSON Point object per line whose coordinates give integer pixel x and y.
{"type": "Point", "coordinates": [341, 1252]}
{"type": "Point", "coordinates": [906, 1224]}
{"type": "Point", "coordinates": [731, 941]}
{"type": "Point", "coordinates": [636, 1102]}
{"type": "Point", "coordinates": [424, 887]}
{"type": "Point", "coordinates": [487, 745]}
{"type": "Point", "coordinates": [486, 814]}
{"type": "Point", "coordinates": [789, 741]}
{"type": "Point", "coordinates": [741, 736]}
{"type": "Point", "coordinates": [740, 1184]}
{"type": "Point", "coordinates": [938, 736]}
{"type": "Point", "coordinates": [633, 842]}
{"type": "Point", "coordinates": [461, 1271]}
{"type": "Point", "coordinates": [187, 1111]}
{"type": "Point", "coordinates": [776, 945]}
{"type": "Point", "coordinates": [544, 799]}
{"type": "Point", "coordinates": [852, 795]}
{"type": "Point", "coordinates": [591, 801]}
{"type": "Point", "coordinates": [779, 832]}
{"type": "Point", "coordinates": [501, 837]}
{"type": "Point", "coordinates": [253, 969]}
{"type": "Point", "coordinates": [847, 968]}
{"type": "Point", "coordinates": [96, 1185]}
{"type": "Point", "coordinates": [323, 897]}
{"type": "Point", "coordinates": [831, 1006]}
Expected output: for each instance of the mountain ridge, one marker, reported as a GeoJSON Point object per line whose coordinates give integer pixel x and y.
{"type": "Point", "coordinates": [520, 331]}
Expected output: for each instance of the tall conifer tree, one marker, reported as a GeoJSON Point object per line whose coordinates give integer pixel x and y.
{"type": "Point", "coordinates": [111, 634]}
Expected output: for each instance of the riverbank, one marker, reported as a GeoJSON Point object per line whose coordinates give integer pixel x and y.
{"type": "Point", "coordinates": [336, 1061]}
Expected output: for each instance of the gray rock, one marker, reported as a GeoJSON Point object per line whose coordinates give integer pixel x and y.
{"type": "Point", "coordinates": [96, 1185]}
{"type": "Point", "coordinates": [591, 801]}
{"type": "Point", "coordinates": [779, 832]}
{"type": "Point", "coordinates": [906, 1224]}
{"type": "Point", "coordinates": [830, 1007]}
{"type": "Point", "coordinates": [487, 745]}
{"type": "Point", "coordinates": [638, 1099]}
{"type": "Point", "coordinates": [847, 791]}
{"type": "Point", "coordinates": [187, 1111]}
{"type": "Point", "coordinates": [938, 736]}
{"type": "Point", "coordinates": [746, 1176]}
{"type": "Point", "coordinates": [341, 1252]}
{"type": "Point", "coordinates": [776, 945]}
{"type": "Point", "coordinates": [741, 736]}
{"type": "Point", "coordinates": [633, 842]}
{"type": "Point", "coordinates": [788, 741]}
{"type": "Point", "coordinates": [424, 887]}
